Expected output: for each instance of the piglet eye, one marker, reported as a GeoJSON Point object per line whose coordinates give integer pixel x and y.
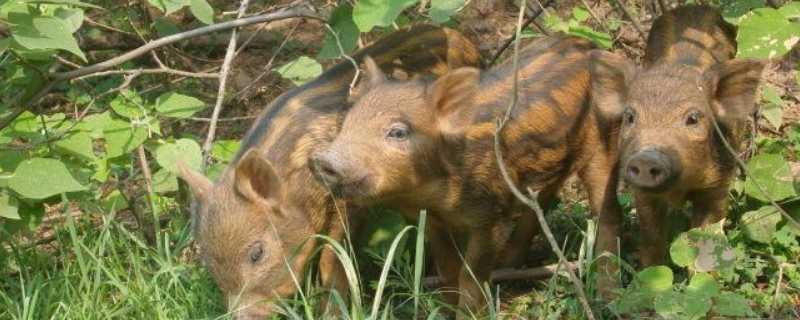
{"type": "Point", "coordinates": [693, 118]}
{"type": "Point", "coordinates": [398, 132]}
{"type": "Point", "coordinates": [255, 252]}
{"type": "Point", "coordinates": [628, 117]}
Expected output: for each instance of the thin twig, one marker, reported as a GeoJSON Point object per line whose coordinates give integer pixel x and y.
{"type": "Point", "coordinates": [777, 291]}
{"type": "Point", "coordinates": [233, 119]}
{"type": "Point", "coordinates": [513, 37]}
{"type": "Point", "coordinates": [749, 174]}
{"type": "Point", "coordinates": [245, 92]}
{"type": "Point", "coordinates": [223, 80]}
{"type": "Point", "coordinates": [166, 70]}
{"type": "Point", "coordinates": [628, 14]}
{"type": "Point", "coordinates": [148, 180]}
{"type": "Point", "coordinates": [532, 202]}
{"type": "Point", "coordinates": [510, 274]}
{"type": "Point", "coordinates": [55, 78]}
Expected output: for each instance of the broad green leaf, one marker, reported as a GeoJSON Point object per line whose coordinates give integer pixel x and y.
{"type": "Point", "coordinates": [733, 9]}
{"type": "Point", "coordinates": [441, 10]}
{"type": "Point", "coordinates": [760, 225]}
{"type": "Point", "coordinates": [766, 33]}
{"type": "Point", "coordinates": [78, 144]}
{"type": "Point", "coordinates": [601, 38]}
{"type": "Point", "coordinates": [773, 109]}
{"type": "Point", "coordinates": [114, 202]}
{"type": "Point", "coordinates": [165, 27]}
{"type": "Point", "coordinates": [342, 22]}
{"type": "Point", "coordinates": [676, 305]}
{"type": "Point", "coordinates": [171, 6]}
{"type": "Point", "coordinates": [122, 137]}
{"type": "Point", "coordinates": [704, 284]}
{"type": "Point", "coordinates": [773, 174]}
{"type": "Point", "coordinates": [655, 279]}
{"type": "Point", "coordinates": [300, 71]}
{"type": "Point", "coordinates": [791, 10]}
{"type": "Point", "coordinates": [129, 104]}
{"type": "Point", "coordinates": [188, 150]}
{"type": "Point", "coordinates": [11, 159]}
{"type": "Point", "coordinates": [66, 2]}
{"type": "Point", "coordinates": [202, 11]}
{"type": "Point", "coordinates": [4, 46]}
{"type": "Point", "coordinates": [370, 13]}
{"type": "Point", "coordinates": [225, 150]}
{"type": "Point", "coordinates": [731, 304]}
{"type": "Point", "coordinates": [72, 17]}
{"type": "Point", "coordinates": [30, 217]}
{"type": "Point", "coordinates": [703, 249]}
{"type": "Point", "coordinates": [215, 170]}
{"type": "Point", "coordinates": [647, 284]}
{"type": "Point", "coordinates": [580, 14]}
{"type": "Point", "coordinates": [46, 33]}
{"type": "Point", "coordinates": [165, 181]}
{"type": "Point", "coordinates": [94, 123]}
{"type": "Point", "coordinates": [9, 207]}
{"type": "Point", "coordinates": [158, 4]}
{"type": "Point", "coordinates": [40, 178]}
{"type": "Point", "coordinates": [175, 105]}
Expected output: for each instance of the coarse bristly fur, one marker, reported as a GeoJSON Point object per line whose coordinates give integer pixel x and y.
{"type": "Point", "coordinates": [429, 144]}
{"type": "Point", "coordinates": [667, 110]}
{"type": "Point", "coordinates": [257, 218]}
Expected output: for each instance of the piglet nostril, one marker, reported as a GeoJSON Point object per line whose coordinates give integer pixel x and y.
{"type": "Point", "coordinates": [655, 172]}
{"type": "Point", "coordinates": [634, 170]}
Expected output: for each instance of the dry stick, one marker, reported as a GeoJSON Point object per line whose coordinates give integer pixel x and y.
{"type": "Point", "coordinates": [510, 274]}
{"type": "Point", "coordinates": [532, 202]}
{"type": "Point", "coordinates": [55, 78]}
{"type": "Point", "coordinates": [777, 290]}
{"type": "Point", "coordinates": [636, 24]}
{"type": "Point", "coordinates": [749, 175]}
{"type": "Point", "coordinates": [223, 80]}
{"type": "Point", "coordinates": [596, 17]}
{"type": "Point", "coordinates": [514, 37]}
{"type": "Point", "coordinates": [663, 5]}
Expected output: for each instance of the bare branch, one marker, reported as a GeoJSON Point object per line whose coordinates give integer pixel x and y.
{"type": "Point", "coordinates": [511, 274]}
{"type": "Point", "coordinates": [153, 71]}
{"type": "Point", "coordinates": [55, 78]}
{"type": "Point", "coordinates": [636, 24]}
{"type": "Point", "coordinates": [223, 79]}
{"type": "Point", "coordinates": [513, 37]}
{"type": "Point", "coordinates": [532, 202]}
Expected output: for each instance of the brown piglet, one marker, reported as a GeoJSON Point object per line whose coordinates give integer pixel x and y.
{"type": "Point", "coordinates": [429, 144]}
{"type": "Point", "coordinates": [670, 151]}
{"type": "Point", "coordinates": [255, 226]}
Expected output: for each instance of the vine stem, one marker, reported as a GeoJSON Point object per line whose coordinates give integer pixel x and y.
{"type": "Point", "coordinates": [223, 80]}
{"type": "Point", "coordinates": [533, 201]}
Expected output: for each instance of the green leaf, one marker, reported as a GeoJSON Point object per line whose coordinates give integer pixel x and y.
{"type": "Point", "coordinates": [202, 11]}
{"type": "Point", "coordinates": [760, 225]}
{"type": "Point", "coordinates": [114, 202]}
{"type": "Point", "coordinates": [733, 9]}
{"type": "Point", "coordinates": [215, 170]}
{"type": "Point", "coordinates": [441, 10]}
{"type": "Point", "coordinates": [791, 10]}
{"type": "Point", "coordinates": [171, 6]}
{"type": "Point", "coordinates": [122, 137]}
{"type": "Point", "coordinates": [225, 151]}
{"type": "Point", "coordinates": [642, 291]}
{"type": "Point", "coordinates": [165, 181]}
{"type": "Point", "coordinates": [766, 33]}
{"type": "Point", "coordinates": [676, 305]}
{"type": "Point", "coordinates": [165, 28]}
{"type": "Point", "coordinates": [4, 46]}
{"type": "Point", "coordinates": [580, 14]}
{"type": "Point", "coordinates": [300, 71]}
{"type": "Point", "coordinates": [129, 104]}
{"type": "Point", "coordinates": [66, 2]}
{"type": "Point", "coordinates": [773, 109]}
{"type": "Point", "coordinates": [30, 217]}
{"type": "Point", "coordinates": [9, 207]}
{"type": "Point", "coordinates": [46, 33]}
{"type": "Point", "coordinates": [704, 284]}
{"type": "Point", "coordinates": [41, 178]}
{"type": "Point", "coordinates": [11, 159]}
{"type": "Point", "coordinates": [655, 279]}
{"type": "Point", "coordinates": [601, 38]}
{"type": "Point", "coordinates": [732, 305]}
{"type": "Point", "coordinates": [370, 13]}
{"type": "Point", "coordinates": [158, 4]}
{"type": "Point", "coordinates": [94, 123]}
{"type": "Point", "coordinates": [72, 17]}
{"type": "Point", "coordinates": [188, 150]}
{"type": "Point", "coordinates": [703, 249]}
{"type": "Point", "coordinates": [78, 144]}
{"type": "Point", "coordinates": [342, 22]}
{"type": "Point", "coordinates": [773, 173]}
{"type": "Point", "coordinates": [175, 105]}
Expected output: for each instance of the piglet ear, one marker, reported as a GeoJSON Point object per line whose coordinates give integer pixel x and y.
{"type": "Point", "coordinates": [733, 85]}
{"type": "Point", "coordinates": [453, 91]}
{"type": "Point", "coordinates": [199, 184]}
{"type": "Point", "coordinates": [610, 75]}
{"type": "Point", "coordinates": [256, 179]}
{"type": "Point", "coordinates": [372, 77]}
